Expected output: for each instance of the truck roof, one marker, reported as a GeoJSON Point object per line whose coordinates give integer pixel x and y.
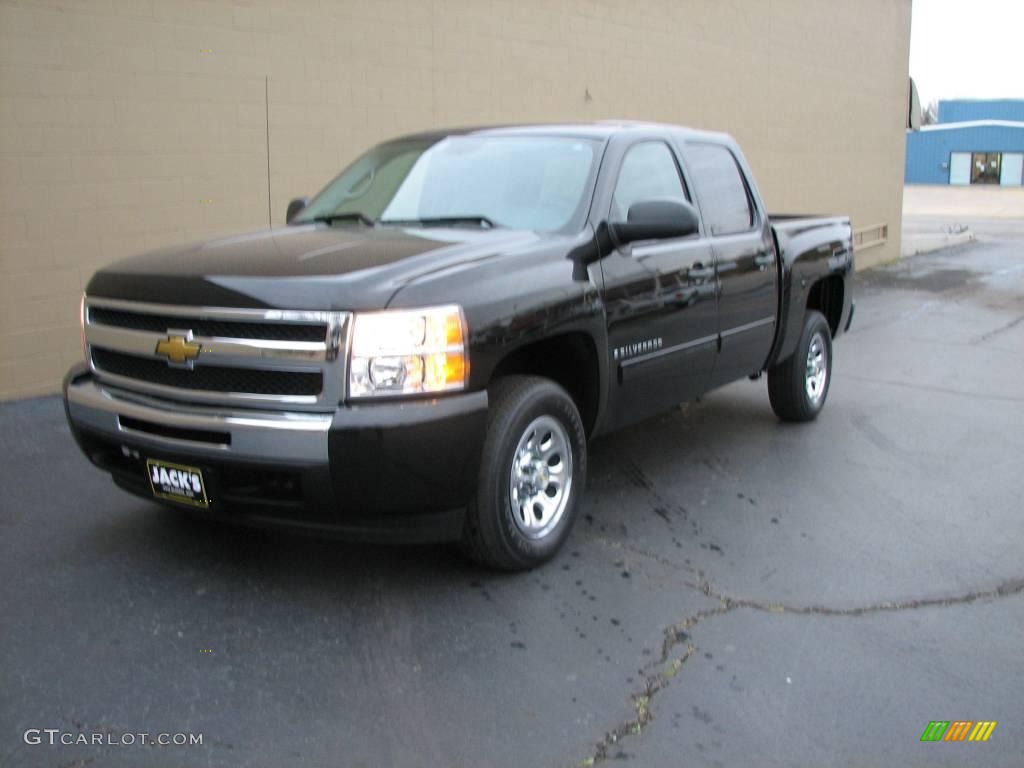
{"type": "Point", "coordinates": [601, 130]}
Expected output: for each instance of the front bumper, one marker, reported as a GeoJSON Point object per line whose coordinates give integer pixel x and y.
{"type": "Point", "coordinates": [382, 471]}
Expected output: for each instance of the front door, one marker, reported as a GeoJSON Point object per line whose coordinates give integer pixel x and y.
{"type": "Point", "coordinates": [659, 297]}
{"type": "Point", "coordinates": [745, 261]}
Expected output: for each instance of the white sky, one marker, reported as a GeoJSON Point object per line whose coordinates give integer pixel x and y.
{"type": "Point", "coordinates": [967, 49]}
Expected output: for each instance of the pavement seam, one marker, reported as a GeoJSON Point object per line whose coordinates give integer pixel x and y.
{"type": "Point", "coordinates": [1001, 329]}
{"type": "Point", "coordinates": [659, 673]}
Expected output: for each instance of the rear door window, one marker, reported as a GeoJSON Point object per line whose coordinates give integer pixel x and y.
{"type": "Point", "coordinates": [724, 200]}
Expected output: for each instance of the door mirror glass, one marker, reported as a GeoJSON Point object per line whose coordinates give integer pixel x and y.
{"type": "Point", "coordinates": [295, 207]}
{"type": "Point", "coordinates": [655, 220]}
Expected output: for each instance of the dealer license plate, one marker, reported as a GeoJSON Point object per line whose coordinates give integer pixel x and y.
{"type": "Point", "coordinates": [177, 482]}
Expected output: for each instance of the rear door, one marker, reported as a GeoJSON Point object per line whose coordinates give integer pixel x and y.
{"type": "Point", "coordinates": [659, 295]}
{"type": "Point", "coordinates": [744, 257]}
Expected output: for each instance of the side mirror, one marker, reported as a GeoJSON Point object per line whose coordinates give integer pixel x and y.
{"type": "Point", "coordinates": [656, 220]}
{"type": "Point", "coordinates": [295, 207]}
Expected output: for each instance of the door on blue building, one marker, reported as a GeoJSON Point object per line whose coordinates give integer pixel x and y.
{"type": "Point", "coordinates": [985, 167]}
{"type": "Point", "coordinates": [1013, 169]}
{"type": "Point", "coordinates": [960, 168]}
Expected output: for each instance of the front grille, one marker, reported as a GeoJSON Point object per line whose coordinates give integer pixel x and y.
{"type": "Point", "coordinates": [232, 329]}
{"type": "Point", "coordinates": [284, 359]}
{"type": "Point", "coordinates": [209, 378]}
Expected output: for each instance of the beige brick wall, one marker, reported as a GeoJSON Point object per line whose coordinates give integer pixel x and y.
{"type": "Point", "coordinates": [129, 124]}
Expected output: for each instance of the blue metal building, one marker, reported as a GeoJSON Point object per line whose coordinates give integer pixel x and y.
{"type": "Point", "coordinates": [976, 141]}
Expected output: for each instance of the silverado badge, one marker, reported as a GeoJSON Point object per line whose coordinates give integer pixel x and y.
{"type": "Point", "coordinates": [179, 349]}
{"type": "Point", "coordinates": [637, 348]}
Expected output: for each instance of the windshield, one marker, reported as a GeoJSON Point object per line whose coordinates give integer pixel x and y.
{"type": "Point", "coordinates": [539, 183]}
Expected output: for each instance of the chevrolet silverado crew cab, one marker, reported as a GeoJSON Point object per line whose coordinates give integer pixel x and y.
{"type": "Point", "coordinates": [427, 347]}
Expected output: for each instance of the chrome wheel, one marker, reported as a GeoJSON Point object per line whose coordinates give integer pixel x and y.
{"type": "Point", "coordinates": [817, 369]}
{"type": "Point", "coordinates": [540, 480]}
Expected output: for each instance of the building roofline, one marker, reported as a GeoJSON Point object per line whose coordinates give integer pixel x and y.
{"type": "Point", "coordinates": [1011, 99]}
{"type": "Point", "coordinates": [973, 124]}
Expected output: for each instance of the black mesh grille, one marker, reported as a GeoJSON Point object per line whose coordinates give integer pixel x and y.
{"type": "Point", "coordinates": [210, 378]}
{"type": "Point", "coordinates": [232, 329]}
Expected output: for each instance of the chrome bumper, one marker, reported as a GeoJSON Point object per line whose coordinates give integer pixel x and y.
{"type": "Point", "coordinates": [272, 437]}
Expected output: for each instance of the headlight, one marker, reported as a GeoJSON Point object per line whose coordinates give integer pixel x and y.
{"type": "Point", "coordinates": [408, 351]}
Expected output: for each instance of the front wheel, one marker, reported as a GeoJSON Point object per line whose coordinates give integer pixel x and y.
{"type": "Point", "coordinates": [532, 472]}
{"type": "Point", "coordinates": [798, 386]}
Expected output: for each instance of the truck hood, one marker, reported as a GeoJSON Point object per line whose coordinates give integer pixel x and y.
{"type": "Point", "coordinates": [312, 266]}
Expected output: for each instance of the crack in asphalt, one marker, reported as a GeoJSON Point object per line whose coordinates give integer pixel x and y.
{"type": "Point", "coordinates": [1001, 329]}
{"type": "Point", "coordinates": [659, 673]}
{"type": "Point", "coordinates": [633, 549]}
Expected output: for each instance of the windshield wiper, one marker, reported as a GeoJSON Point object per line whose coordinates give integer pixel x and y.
{"type": "Point", "coordinates": [442, 221]}
{"type": "Point", "coordinates": [330, 218]}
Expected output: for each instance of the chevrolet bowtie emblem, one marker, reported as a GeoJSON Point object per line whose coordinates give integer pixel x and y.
{"type": "Point", "coordinates": [178, 349]}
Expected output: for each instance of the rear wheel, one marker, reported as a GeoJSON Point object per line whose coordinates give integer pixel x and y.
{"type": "Point", "coordinates": [798, 386]}
{"type": "Point", "coordinates": [532, 473]}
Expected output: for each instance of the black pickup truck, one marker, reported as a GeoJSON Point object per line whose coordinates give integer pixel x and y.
{"type": "Point", "coordinates": [427, 347]}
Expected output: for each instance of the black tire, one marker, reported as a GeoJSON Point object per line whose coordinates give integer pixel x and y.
{"type": "Point", "coordinates": [788, 380]}
{"type": "Point", "coordinates": [491, 535]}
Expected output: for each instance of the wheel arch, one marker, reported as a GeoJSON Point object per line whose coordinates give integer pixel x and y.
{"type": "Point", "coordinates": [571, 360]}
{"type": "Point", "coordinates": [826, 296]}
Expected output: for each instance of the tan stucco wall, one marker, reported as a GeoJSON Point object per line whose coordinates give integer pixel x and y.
{"type": "Point", "coordinates": [130, 124]}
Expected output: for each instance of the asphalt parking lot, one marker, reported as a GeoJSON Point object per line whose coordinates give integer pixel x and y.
{"type": "Point", "coordinates": [737, 592]}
